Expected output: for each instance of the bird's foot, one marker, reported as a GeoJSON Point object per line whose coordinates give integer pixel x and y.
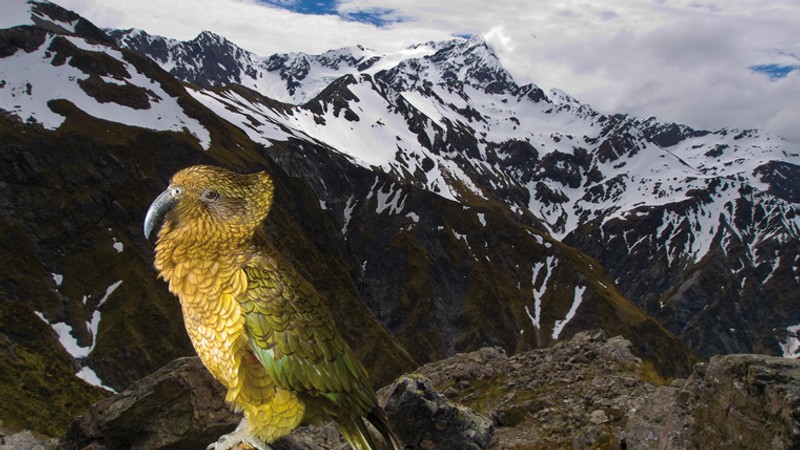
{"type": "Point", "coordinates": [239, 439]}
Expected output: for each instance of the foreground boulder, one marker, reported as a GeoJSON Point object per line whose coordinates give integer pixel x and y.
{"type": "Point", "coordinates": [733, 402]}
{"type": "Point", "coordinates": [23, 440]}
{"type": "Point", "coordinates": [424, 418]}
{"type": "Point", "coordinates": [180, 406]}
{"type": "Point", "coordinates": [576, 394]}
{"type": "Point", "coordinates": [588, 391]}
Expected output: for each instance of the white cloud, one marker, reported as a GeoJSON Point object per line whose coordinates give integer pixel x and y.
{"type": "Point", "coordinates": [685, 61]}
{"type": "Point", "coordinates": [695, 70]}
{"type": "Point", "coordinates": [258, 27]}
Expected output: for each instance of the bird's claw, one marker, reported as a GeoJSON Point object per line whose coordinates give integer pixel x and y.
{"type": "Point", "coordinates": [229, 442]}
{"type": "Point", "coordinates": [239, 439]}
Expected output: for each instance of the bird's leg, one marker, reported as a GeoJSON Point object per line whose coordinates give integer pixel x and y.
{"type": "Point", "coordinates": [241, 435]}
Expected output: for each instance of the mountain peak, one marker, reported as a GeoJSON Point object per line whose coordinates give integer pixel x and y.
{"type": "Point", "coordinates": [48, 16]}
{"type": "Point", "coordinates": [209, 37]}
{"type": "Point", "coordinates": [474, 62]}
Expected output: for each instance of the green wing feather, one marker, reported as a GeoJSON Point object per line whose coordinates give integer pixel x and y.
{"type": "Point", "coordinates": [294, 337]}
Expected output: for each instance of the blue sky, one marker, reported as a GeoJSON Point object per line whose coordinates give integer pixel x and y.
{"type": "Point", "coordinates": [709, 64]}
{"type": "Point", "coordinates": [377, 16]}
{"type": "Point", "coordinates": [775, 71]}
{"type": "Point", "coordinates": [305, 7]}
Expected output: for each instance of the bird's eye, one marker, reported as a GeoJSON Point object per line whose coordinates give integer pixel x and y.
{"type": "Point", "coordinates": [176, 191]}
{"type": "Point", "coordinates": [211, 195]}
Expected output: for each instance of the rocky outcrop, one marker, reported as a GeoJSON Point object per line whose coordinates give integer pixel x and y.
{"type": "Point", "coordinates": [732, 402]}
{"type": "Point", "coordinates": [426, 419]}
{"type": "Point", "coordinates": [24, 440]}
{"type": "Point", "coordinates": [179, 406]}
{"type": "Point", "coordinates": [589, 391]}
{"type": "Point", "coordinates": [749, 401]}
{"type": "Point", "coordinates": [576, 394]}
{"type": "Point", "coordinates": [182, 407]}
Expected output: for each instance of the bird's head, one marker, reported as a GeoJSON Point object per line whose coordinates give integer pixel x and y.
{"type": "Point", "coordinates": [211, 203]}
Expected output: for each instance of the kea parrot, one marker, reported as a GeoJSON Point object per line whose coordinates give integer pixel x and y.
{"type": "Point", "coordinates": [259, 327]}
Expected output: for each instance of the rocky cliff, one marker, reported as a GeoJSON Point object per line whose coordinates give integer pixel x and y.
{"type": "Point", "coordinates": [586, 392]}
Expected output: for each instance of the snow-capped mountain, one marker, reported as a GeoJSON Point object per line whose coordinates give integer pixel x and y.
{"type": "Point", "coordinates": [654, 202]}
{"type": "Point", "coordinates": [212, 60]}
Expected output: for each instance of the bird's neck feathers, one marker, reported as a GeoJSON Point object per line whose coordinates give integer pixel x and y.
{"type": "Point", "coordinates": [184, 256]}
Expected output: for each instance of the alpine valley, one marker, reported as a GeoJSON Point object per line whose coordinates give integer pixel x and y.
{"type": "Point", "coordinates": [437, 205]}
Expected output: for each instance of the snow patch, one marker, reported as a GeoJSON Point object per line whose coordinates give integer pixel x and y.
{"type": "Point", "coordinates": [64, 331]}
{"type": "Point", "coordinates": [394, 200]}
{"type": "Point", "coordinates": [118, 246]}
{"type": "Point", "coordinates": [425, 105]}
{"type": "Point", "coordinates": [260, 123]}
{"type": "Point", "coordinates": [109, 290]}
{"type": "Point", "coordinates": [88, 375]}
{"type": "Point", "coordinates": [348, 214]}
{"type": "Point", "coordinates": [65, 338]}
{"type": "Point", "coordinates": [576, 302]}
{"type": "Point", "coordinates": [31, 81]}
{"type": "Point", "coordinates": [791, 347]}
{"type": "Point", "coordinates": [550, 264]}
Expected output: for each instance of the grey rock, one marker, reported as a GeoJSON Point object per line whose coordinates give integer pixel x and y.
{"type": "Point", "coordinates": [178, 406]}
{"type": "Point", "coordinates": [732, 402]}
{"type": "Point", "coordinates": [424, 418]}
{"type": "Point", "coordinates": [659, 422]}
{"type": "Point", "coordinates": [598, 416]}
{"type": "Point", "coordinates": [24, 440]}
{"type": "Point", "coordinates": [182, 407]}
{"type": "Point", "coordinates": [527, 400]}
{"type": "Point", "coordinates": [749, 401]}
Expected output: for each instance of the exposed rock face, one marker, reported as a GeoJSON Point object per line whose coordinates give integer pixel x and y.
{"type": "Point", "coordinates": [575, 394]}
{"type": "Point", "coordinates": [182, 407]}
{"type": "Point", "coordinates": [179, 406]}
{"type": "Point", "coordinates": [589, 391]}
{"type": "Point", "coordinates": [23, 440]}
{"type": "Point", "coordinates": [749, 401]}
{"type": "Point", "coordinates": [733, 402]}
{"type": "Point", "coordinates": [664, 421]}
{"type": "Point", "coordinates": [426, 419]}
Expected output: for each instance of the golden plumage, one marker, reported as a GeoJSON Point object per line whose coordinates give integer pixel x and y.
{"type": "Point", "coordinates": [258, 326]}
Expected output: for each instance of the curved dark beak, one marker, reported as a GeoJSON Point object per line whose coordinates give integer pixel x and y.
{"type": "Point", "coordinates": [158, 208]}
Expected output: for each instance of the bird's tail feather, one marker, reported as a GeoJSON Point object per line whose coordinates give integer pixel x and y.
{"type": "Point", "coordinates": [377, 417]}
{"type": "Point", "coordinates": [358, 435]}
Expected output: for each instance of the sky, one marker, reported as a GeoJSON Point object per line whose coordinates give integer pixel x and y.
{"type": "Point", "coordinates": [708, 64]}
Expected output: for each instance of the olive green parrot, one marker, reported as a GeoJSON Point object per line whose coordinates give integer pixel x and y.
{"type": "Point", "coordinates": [259, 327]}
